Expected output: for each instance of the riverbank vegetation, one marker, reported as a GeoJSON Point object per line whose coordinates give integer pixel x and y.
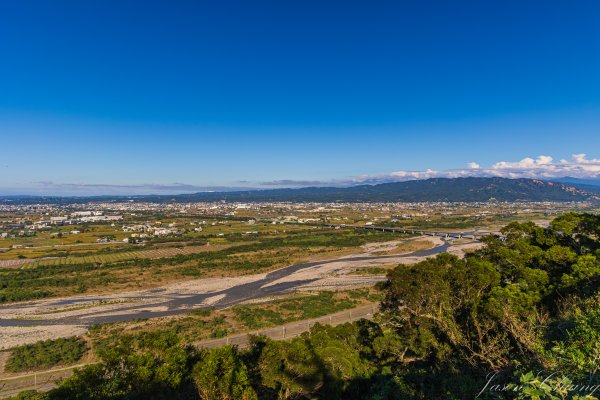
{"type": "Point", "coordinates": [211, 323]}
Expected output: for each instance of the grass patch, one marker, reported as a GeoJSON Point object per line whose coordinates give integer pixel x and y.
{"type": "Point", "coordinates": [408, 247]}
{"type": "Point", "coordinates": [46, 354]}
{"type": "Point", "coordinates": [206, 312]}
{"type": "Point", "coordinates": [255, 316]}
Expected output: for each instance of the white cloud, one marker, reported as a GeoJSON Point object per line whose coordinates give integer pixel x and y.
{"type": "Point", "coordinates": [525, 163]}
{"type": "Point", "coordinates": [580, 158]}
{"type": "Point", "coordinates": [543, 167]}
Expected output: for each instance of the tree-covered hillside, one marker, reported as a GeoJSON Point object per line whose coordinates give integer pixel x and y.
{"type": "Point", "coordinates": [518, 319]}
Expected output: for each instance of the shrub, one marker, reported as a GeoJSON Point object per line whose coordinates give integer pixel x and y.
{"type": "Point", "coordinates": [46, 354]}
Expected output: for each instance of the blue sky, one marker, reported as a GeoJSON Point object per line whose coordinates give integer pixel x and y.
{"type": "Point", "coordinates": [149, 96]}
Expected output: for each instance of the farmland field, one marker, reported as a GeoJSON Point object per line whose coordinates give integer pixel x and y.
{"type": "Point", "coordinates": [112, 257]}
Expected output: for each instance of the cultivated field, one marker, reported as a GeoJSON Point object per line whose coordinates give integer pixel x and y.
{"type": "Point", "coordinates": [104, 258]}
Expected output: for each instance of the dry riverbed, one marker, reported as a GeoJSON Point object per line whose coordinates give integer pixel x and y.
{"type": "Point", "coordinates": [70, 316]}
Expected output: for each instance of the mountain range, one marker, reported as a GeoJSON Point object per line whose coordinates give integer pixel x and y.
{"type": "Point", "coordinates": [470, 189]}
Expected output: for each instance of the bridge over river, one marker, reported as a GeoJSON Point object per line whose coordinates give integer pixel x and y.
{"type": "Point", "coordinates": [473, 235]}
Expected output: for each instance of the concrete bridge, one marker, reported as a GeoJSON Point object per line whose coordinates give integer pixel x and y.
{"type": "Point", "coordinates": [456, 235]}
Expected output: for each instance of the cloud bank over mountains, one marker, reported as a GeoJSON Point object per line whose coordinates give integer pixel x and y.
{"type": "Point", "coordinates": [541, 167]}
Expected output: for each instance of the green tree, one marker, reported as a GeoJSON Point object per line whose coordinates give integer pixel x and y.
{"type": "Point", "coordinates": [222, 375]}
{"type": "Point", "coordinates": [150, 366]}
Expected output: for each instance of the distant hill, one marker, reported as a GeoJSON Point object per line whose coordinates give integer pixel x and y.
{"type": "Point", "coordinates": [590, 185]}
{"type": "Point", "coordinates": [582, 181]}
{"type": "Point", "coordinates": [435, 189]}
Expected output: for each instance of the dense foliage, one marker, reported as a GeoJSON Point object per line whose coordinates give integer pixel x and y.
{"type": "Point", "coordinates": [46, 354]}
{"type": "Point", "coordinates": [518, 319]}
